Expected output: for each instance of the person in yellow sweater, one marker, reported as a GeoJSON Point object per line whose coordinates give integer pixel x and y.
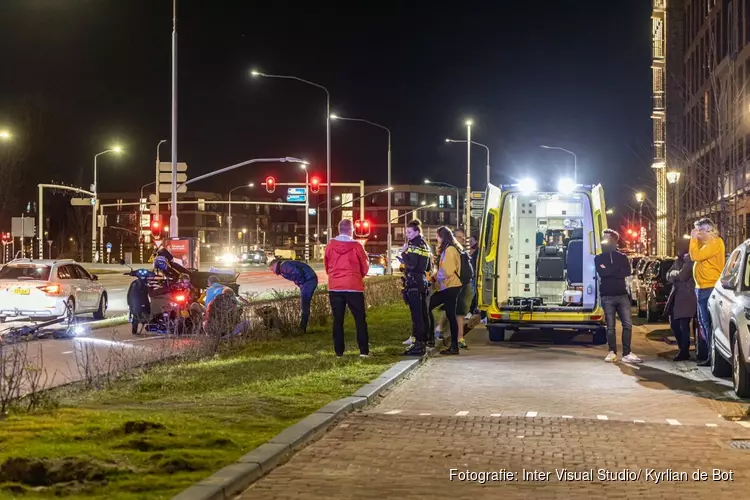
{"type": "Point", "coordinates": [708, 253]}
{"type": "Point", "coordinates": [447, 284]}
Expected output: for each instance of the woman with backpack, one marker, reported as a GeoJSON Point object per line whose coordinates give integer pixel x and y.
{"type": "Point", "coordinates": [448, 284]}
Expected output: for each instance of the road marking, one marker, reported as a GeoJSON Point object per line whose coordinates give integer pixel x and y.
{"type": "Point", "coordinates": [711, 425]}
{"type": "Point", "coordinates": [496, 414]}
{"type": "Point", "coordinates": [745, 424]}
{"type": "Point", "coordinates": [567, 416]}
{"type": "Point", "coordinates": [462, 413]}
{"type": "Point", "coordinates": [393, 412]}
{"type": "Point", "coordinates": [672, 421]}
{"type": "Point", "coordinates": [602, 417]}
{"type": "Point", "coordinates": [639, 421]}
{"type": "Point", "coordinates": [425, 414]}
{"type": "Point", "coordinates": [531, 414]}
{"type": "Point", "coordinates": [67, 352]}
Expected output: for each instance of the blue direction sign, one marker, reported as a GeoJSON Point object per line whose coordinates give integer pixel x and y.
{"type": "Point", "coordinates": [295, 198]}
{"type": "Point", "coordinates": [109, 246]}
{"type": "Point", "coordinates": [297, 191]}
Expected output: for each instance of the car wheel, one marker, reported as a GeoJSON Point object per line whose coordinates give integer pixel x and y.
{"type": "Point", "coordinates": [496, 333]}
{"type": "Point", "coordinates": [740, 370]}
{"type": "Point", "coordinates": [720, 367]}
{"type": "Point", "coordinates": [102, 309]}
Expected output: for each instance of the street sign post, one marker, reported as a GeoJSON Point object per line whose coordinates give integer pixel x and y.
{"type": "Point", "coordinates": [295, 198]}
{"type": "Point", "coordinates": [477, 204]}
{"type": "Point", "coordinates": [296, 191]}
{"type": "Point", "coordinates": [165, 177]}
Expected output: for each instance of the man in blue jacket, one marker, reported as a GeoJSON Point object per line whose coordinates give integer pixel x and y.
{"type": "Point", "coordinates": [304, 277]}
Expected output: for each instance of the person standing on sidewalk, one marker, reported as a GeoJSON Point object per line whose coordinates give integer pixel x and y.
{"type": "Point", "coordinates": [346, 265]}
{"type": "Point", "coordinates": [613, 267]}
{"type": "Point", "coordinates": [448, 284]}
{"type": "Point", "coordinates": [304, 277]}
{"type": "Point", "coordinates": [707, 252]}
{"type": "Point", "coordinates": [681, 304]}
{"type": "Point", "coordinates": [417, 262]}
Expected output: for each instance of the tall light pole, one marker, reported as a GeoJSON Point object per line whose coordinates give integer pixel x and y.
{"type": "Point", "coordinates": [303, 166]}
{"type": "Point", "coordinates": [640, 198]}
{"type": "Point", "coordinates": [317, 211]}
{"type": "Point", "coordinates": [458, 195]}
{"type": "Point", "coordinates": [477, 144]}
{"type": "Point", "coordinates": [95, 189]}
{"type": "Point", "coordinates": [229, 218]}
{"type": "Point", "coordinates": [467, 223]}
{"type": "Point", "coordinates": [158, 162]}
{"type": "Point", "coordinates": [388, 239]}
{"type": "Point", "coordinates": [329, 181]}
{"type": "Point", "coordinates": [575, 160]}
{"type": "Point", "coordinates": [173, 221]}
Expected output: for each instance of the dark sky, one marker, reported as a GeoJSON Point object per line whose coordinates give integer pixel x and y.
{"type": "Point", "coordinates": [573, 74]}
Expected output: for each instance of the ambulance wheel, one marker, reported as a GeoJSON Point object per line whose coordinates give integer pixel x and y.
{"type": "Point", "coordinates": [497, 333]}
{"type": "Point", "coordinates": [600, 337]}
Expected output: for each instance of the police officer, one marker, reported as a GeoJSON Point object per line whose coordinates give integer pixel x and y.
{"type": "Point", "coordinates": [417, 262]}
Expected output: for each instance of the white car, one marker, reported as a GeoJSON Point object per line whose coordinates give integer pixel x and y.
{"type": "Point", "coordinates": [44, 289]}
{"type": "Point", "coordinates": [729, 306]}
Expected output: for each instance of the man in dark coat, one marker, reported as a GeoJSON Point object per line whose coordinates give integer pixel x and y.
{"type": "Point", "coordinates": [304, 277]}
{"type": "Point", "coordinates": [682, 305]}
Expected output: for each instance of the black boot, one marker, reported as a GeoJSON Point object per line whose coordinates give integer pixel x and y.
{"type": "Point", "coordinates": [682, 356]}
{"type": "Point", "coordinates": [449, 351]}
{"type": "Point", "coordinates": [417, 349]}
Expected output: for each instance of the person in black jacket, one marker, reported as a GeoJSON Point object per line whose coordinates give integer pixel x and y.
{"type": "Point", "coordinates": [613, 267]}
{"type": "Point", "coordinates": [682, 305]}
{"type": "Point", "coordinates": [304, 277]}
{"type": "Point", "coordinates": [417, 261]}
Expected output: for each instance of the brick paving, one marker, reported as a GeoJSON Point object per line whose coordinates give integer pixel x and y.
{"type": "Point", "coordinates": [542, 407]}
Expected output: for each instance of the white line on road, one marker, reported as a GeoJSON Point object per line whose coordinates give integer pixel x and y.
{"type": "Point", "coordinates": [602, 417]}
{"type": "Point", "coordinates": [745, 424]}
{"type": "Point", "coordinates": [425, 414]}
{"type": "Point", "coordinates": [672, 421]}
{"type": "Point", "coordinates": [496, 414]}
{"type": "Point", "coordinates": [462, 413]}
{"type": "Point", "coordinates": [711, 425]}
{"type": "Point", "coordinates": [567, 416]}
{"type": "Point", "coordinates": [67, 352]}
{"type": "Point", "coordinates": [639, 421]}
{"type": "Point", "coordinates": [393, 412]}
{"type": "Point", "coordinates": [531, 414]}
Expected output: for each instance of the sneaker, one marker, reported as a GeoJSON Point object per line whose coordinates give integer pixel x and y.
{"type": "Point", "coordinates": [484, 321]}
{"type": "Point", "coordinates": [437, 334]}
{"type": "Point", "coordinates": [418, 349]}
{"type": "Point", "coordinates": [449, 351]}
{"type": "Point", "coordinates": [462, 344]}
{"type": "Point", "coordinates": [365, 356]}
{"type": "Point", "coordinates": [468, 316]}
{"type": "Point", "coordinates": [631, 358]}
{"type": "Point", "coordinates": [611, 357]}
{"type": "Point", "coordinates": [409, 341]}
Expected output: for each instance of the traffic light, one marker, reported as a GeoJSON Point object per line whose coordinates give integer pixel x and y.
{"type": "Point", "coordinates": [156, 229]}
{"type": "Point", "coordinates": [315, 185]}
{"type": "Point", "coordinates": [362, 228]}
{"type": "Point", "coordinates": [6, 238]}
{"type": "Point", "coordinates": [270, 184]}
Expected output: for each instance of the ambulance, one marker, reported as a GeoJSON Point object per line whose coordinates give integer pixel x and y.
{"type": "Point", "coordinates": [535, 268]}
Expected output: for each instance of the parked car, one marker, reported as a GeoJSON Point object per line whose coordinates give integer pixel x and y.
{"type": "Point", "coordinates": [653, 288]}
{"type": "Point", "coordinates": [634, 261]}
{"type": "Point", "coordinates": [632, 282]}
{"type": "Point", "coordinates": [47, 289]}
{"type": "Point", "coordinates": [254, 257]}
{"type": "Point", "coordinates": [377, 265]}
{"type": "Point", "coordinates": [729, 306]}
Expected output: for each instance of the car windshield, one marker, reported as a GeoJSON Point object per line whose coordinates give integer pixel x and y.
{"type": "Point", "coordinates": [25, 272]}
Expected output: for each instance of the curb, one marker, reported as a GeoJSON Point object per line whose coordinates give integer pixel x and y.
{"type": "Point", "coordinates": [233, 479]}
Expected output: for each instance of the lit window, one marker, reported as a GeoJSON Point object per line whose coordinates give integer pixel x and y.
{"type": "Point", "coordinates": [441, 201]}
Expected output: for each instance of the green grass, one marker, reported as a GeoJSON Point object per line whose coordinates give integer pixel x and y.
{"type": "Point", "coordinates": [201, 416]}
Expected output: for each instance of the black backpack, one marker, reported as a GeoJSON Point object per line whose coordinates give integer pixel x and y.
{"type": "Point", "coordinates": [466, 273]}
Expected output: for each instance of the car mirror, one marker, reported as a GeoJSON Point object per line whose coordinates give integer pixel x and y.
{"type": "Point", "coordinates": [728, 284]}
{"type": "Point", "coordinates": [94, 277]}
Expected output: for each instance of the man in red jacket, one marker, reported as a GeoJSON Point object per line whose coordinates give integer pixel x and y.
{"type": "Point", "coordinates": [346, 265]}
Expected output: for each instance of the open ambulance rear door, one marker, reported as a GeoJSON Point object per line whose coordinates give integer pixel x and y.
{"type": "Point", "coordinates": [488, 248]}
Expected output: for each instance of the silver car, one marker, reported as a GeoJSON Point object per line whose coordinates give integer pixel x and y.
{"type": "Point", "coordinates": [729, 306]}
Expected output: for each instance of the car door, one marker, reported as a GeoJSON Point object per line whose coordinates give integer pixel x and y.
{"type": "Point", "coordinates": [643, 284]}
{"type": "Point", "coordinates": [89, 287]}
{"type": "Point", "coordinates": [723, 298]}
{"type": "Point", "coordinates": [68, 279]}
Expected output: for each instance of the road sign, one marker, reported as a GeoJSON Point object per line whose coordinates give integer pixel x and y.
{"type": "Point", "coordinates": [312, 211]}
{"type": "Point", "coordinates": [167, 188]}
{"type": "Point", "coordinates": [477, 204]}
{"type": "Point", "coordinates": [295, 198]}
{"type": "Point", "coordinates": [477, 195]}
{"type": "Point", "coordinates": [81, 202]}
{"type": "Point", "coordinates": [109, 246]}
{"type": "Point", "coordinates": [168, 177]}
{"type": "Point", "coordinates": [477, 214]}
{"type": "Point", "coordinates": [145, 220]}
{"type": "Point", "coordinates": [166, 166]}
{"type": "Point", "coordinates": [22, 227]}
{"type": "Point", "coordinates": [297, 191]}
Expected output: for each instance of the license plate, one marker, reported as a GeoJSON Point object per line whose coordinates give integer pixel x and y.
{"type": "Point", "coordinates": [22, 291]}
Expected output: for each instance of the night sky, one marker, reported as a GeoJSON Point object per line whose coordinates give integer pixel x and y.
{"type": "Point", "coordinates": [572, 74]}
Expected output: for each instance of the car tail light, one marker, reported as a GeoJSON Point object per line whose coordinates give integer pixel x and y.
{"type": "Point", "coordinates": [180, 298]}
{"type": "Point", "coordinates": [51, 289]}
{"type": "Point", "coordinates": [596, 317]}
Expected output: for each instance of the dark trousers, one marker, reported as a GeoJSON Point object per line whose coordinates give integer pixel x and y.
{"type": "Point", "coordinates": [703, 342]}
{"type": "Point", "coordinates": [681, 331]}
{"type": "Point", "coordinates": [614, 306]}
{"type": "Point", "coordinates": [306, 293]}
{"type": "Point", "coordinates": [356, 303]}
{"type": "Point", "coordinates": [448, 299]}
{"type": "Point", "coordinates": [417, 301]}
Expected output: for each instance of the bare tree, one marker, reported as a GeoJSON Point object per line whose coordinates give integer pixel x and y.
{"type": "Point", "coordinates": [78, 224]}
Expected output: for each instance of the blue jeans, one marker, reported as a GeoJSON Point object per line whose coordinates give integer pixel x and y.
{"type": "Point", "coordinates": [703, 346]}
{"type": "Point", "coordinates": [306, 293]}
{"type": "Point", "coordinates": [618, 305]}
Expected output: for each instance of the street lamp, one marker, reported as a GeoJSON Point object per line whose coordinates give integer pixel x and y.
{"type": "Point", "coordinates": [95, 189]}
{"type": "Point", "coordinates": [388, 239]}
{"type": "Point", "coordinates": [610, 211]}
{"type": "Point", "coordinates": [256, 73]}
{"type": "Point", "coordinates": [476, 144]}
{"type": "Point", "coordinates": [575, 160]}
{"type": "Point", "coordinates": [467, 222]}
{"type": "Point", "coordinates": [229, 217]}
{"type": "Point", "coordinates": [640, 197]}
{"type": "Point", "coordinates": [5, 135]}
{"type": "Point", "coordinates": [458, 195]}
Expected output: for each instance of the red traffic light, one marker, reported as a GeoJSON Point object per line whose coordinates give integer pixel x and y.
{"type": "Point", "coordinates": [270, 184]}
{"type": "Point", "coordinates": [315, 185]}
{"type": "Point", "coordinates": [362, 228]}
{"type": "Point", "coordinates": [156, 229]}
{"type": "Point", "coordinates": [6, 237]}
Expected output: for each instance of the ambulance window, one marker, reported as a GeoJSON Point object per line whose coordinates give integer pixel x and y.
{"type": "Point", "coordinates": [488, 227]}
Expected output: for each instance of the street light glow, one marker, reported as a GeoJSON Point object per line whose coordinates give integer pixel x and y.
{"type": "Point", "coordinates": [639, 197]}
{"type": "Point", "coordinates": [527, 186]}
{"type": "Point", "coordinates": [610, 211]}
{"type": "Point", "coordinates": [566, 186]}
{"type": "Point", "coordinates": [255, 72]}
{"type": "Point", "coordinates": [469, 123]}
{"type": "Point", "coordinates": [334, 116]}
{"type": "Point", "coordinates": [5, 135]}
{"type": "Point", "coordinates": [251, 185]}
{"type": "Point", "coordinates": [673, 177]}
{"type": "Point", "coordinates": [117, 149]}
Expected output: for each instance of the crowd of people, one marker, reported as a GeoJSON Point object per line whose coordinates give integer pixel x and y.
{"type": "Point", "coordinates": [693, 274]}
